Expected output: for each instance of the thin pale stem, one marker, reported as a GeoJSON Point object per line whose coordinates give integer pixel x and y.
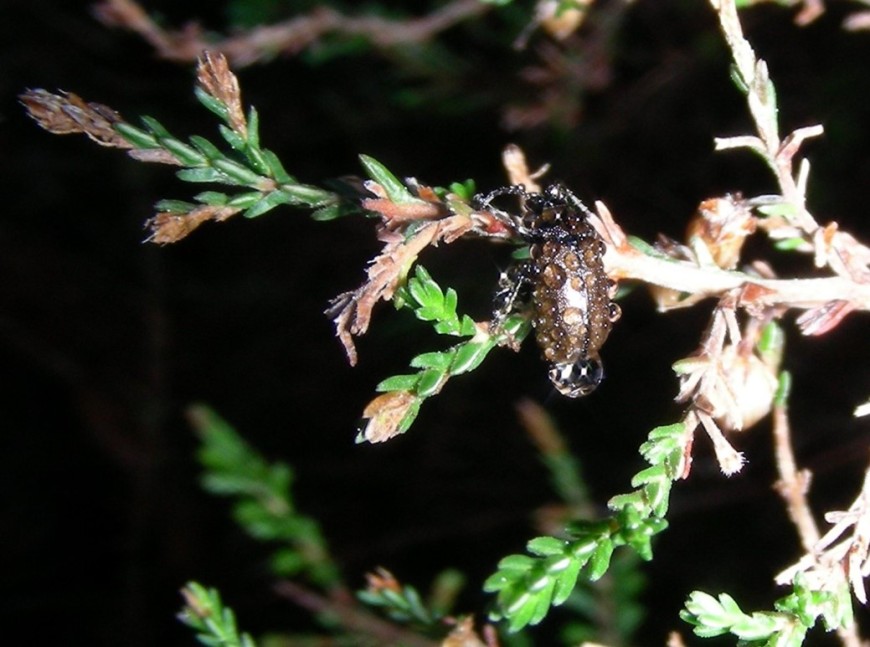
{"type": "Point", "coordinates": [683, 276]}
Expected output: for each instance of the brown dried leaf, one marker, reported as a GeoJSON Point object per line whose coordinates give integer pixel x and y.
{"type": "Point", "coordinates": [395, 215]}
{"type": "Point", "coordinates": [67, 113]}
{"type": "Point", "coordinates": [167, 227]}
{"type": "Point", "coordinates": [723, 224]}
{"type": "Point", "coordinates": [818, 321]}
{"type": "Point", "coordinates": [463, 635]}
{"type": "Point", "coordinates": [385, 413]}
{"type": "Point", "coordinates": [382, 580]}
{"type": "Point", "coordinates": [351, 311]}
{"type": "Point", "coordinates": [215, 77]}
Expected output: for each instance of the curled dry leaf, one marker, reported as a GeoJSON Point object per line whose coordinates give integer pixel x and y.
{"type": "Point", "coordinates": [68, 113]}
{"type": "Point", "coordinates": [843, 552]}
{"type": "Point", "coordinates": [168, 227]}
{"type": "Point", "coordinates": [715, 236]}
{"type": "Point", "coordinates": [351, 311]}
{"type": "Point", "coordinates": [214, 75]}
{"type": "Point", "coordinates": [464, 635]}
{"type": "Point", "coordinates": [382, 580]}
{"type": "Point", "coordinates": [723, 224]}
{"type": "Point", "coordinates": [395, 215]}
{"type": "Point", "coordinates": [730, 382]}
{"type": "Point", "coordinates": [818, 321]}
{"type": "Point", "coordinates": [385, 413]}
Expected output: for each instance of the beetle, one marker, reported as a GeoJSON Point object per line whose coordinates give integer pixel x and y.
{"type": "Point", "coordinates": [563, 283]}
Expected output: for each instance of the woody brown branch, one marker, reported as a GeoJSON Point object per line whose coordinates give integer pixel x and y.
{"type": "Point", "coordinates": [289, 36]}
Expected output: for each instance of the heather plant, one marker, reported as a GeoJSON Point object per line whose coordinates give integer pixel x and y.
{"type": "Point", "coordinates": [729, 383]}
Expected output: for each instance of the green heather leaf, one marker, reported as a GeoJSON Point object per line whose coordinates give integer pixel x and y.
{"type": "Point", "coordinates": [771, 342]}
{"type": "Point", "coordinates": [267, 203]}
{"type": "Point", "coordinates": [245, 200]}
{"type": "Point", "coordinates": [467, 326]}
{"type": "Point", "coordinates": [174, 206]}
{"type": "Point", "coordinates": [410, 416]}
{"type": "Point", "coordinates": [238, 173]}
{"type": "Point", "coordinates": [543, 600]}
{"type": "Point", "coordinates": [667, 431]}
{"type": "Point", "coordinates": [495, 582]}
{"type": "Point", "coordinates": [737, 78]}
{"type": "Point", "coordinates": [430, 382]}
{"type": "Point", "coordinates": [652, 473]}
{"type": "Point", "coordinates": [427, 313]}
{"type": "Point", "coordinates": [187, 155]}
{"type": "Point", "coordinates": [399, 383]}
{"type": "Point", "coordinates": [206, 147]}
{"type": "Point", "coordinates": [522, 616]}
{"type": "Point", "coordinates": [658, 495]}
{"type": "Point", "coordinates": [156, 127]}
{"type": "Point", "coordinates": [214, 198]}
{"type": "Point", "coordinates": [276, 168]}
{"type": "Point", "coordinates": [257, 160]}
{"type": "Point", "coordinates": [214, 105]}
{"type": "Point", "coordinates": [253, 128]}
{"type": "Point", "coordinates": [450, 301]}
{"type": "Point", "coordinates": [621, 501]}
{"type": "Point", "coordinates": [464, 190]}
{"type": "Point", "coordinates": [437, 360]}
{"type": "Point", "coordinates": [137, 137]}
{"type": "Point", "coordinates": [729, 605]}
{"type": "Point", "coordinates": [546, 546]}
{"type": "Point", "coordinates": [327, 213]}
{"type": "Point", "coordinates": [311, 196]}
{"type": "Point", "coordinates": [647, 249]}
{"type": "Point", "coordinates": [789, 244]}
{"type": "Point", "coordinates": [785, 209]}
{"type": "Point", "coordinates": [758, 626]}
{"type": "Point", "coordinates": [446, 326]}
{"type": "Point", "coordinates": [470, 355]}
{"type": "Point", "coordinates": [600, 560]}
{"type": "Point", "coordinates": [516, 562]}
{"type": "Point", "coordinates": [232, 138]}
{"type": "Point", "coordinates": [566, 580]}
{"type": "Point", "coordinates": [206, 174]}
{"type": "Point", "coordinates": [417, 288]}
{"type": "Point", "coordinates": [396, 191]}
{"type": "Point", "coordinates": [287, 562]}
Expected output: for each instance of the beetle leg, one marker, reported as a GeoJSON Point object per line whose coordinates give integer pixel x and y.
{"type": "Point", "coordinates": [514, 293]}
{"type": "Point", "coordinates": [483, 202]}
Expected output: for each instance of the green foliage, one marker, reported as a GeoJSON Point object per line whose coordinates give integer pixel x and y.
{"type": "Point", "coordinates": [527, 586]}
{"type": "Point", "coordinates": [263, 503]}
{"type": "Point", "coordinates": [404, 605]}
{"type": "Point", "coordinates": [246, 165]}
{"type": "Point", "coordinates": [787, 626]}
{"type": "Point", "coordinates": [430, 303]}
{"type": "Point", "coordinates": [465, 190]}
{"type": "Point", "coordinates": [663, 451]}
{"type": "Point", "coordinates": [610, 610]}
{"type": "Point", "coordinates": [214, 623]}
{"type": "Point", "coordinates": [393, 186]}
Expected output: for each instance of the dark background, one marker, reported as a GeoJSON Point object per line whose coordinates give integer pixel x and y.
{"type": "Point", "coordinates": [104, 340]}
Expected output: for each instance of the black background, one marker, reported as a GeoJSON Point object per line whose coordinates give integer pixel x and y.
{"type": "Point", "coordinates": [105, 340]}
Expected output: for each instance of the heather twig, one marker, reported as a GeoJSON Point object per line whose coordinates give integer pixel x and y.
{"type": "Point", "coordinates": [255, 172]}
{"type": "Point", "coordinates": [214, 623]}
{"type": "Point", "coordinates": [289, 37]}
